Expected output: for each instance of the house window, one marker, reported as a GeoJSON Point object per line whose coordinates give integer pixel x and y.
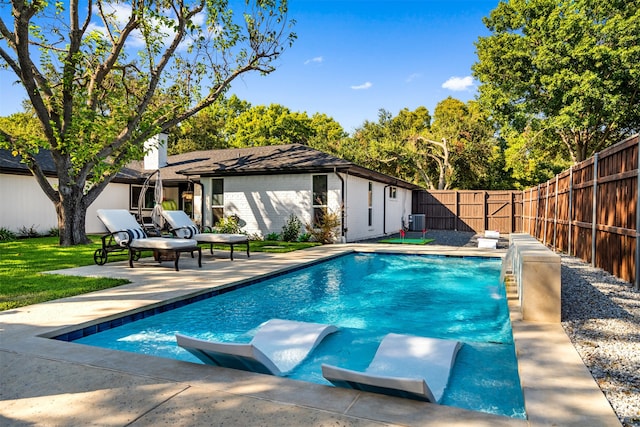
{"type": "Point", "coordinates": [134, 192]}
{"type": "Point", "coordinates": [217, 200]}
{"type": "Point", "coordinates": [393, 192]}
{"type": "Point", "coordinates": [319, 197]}
{"type": "Point", "coordinates": [370, 203]}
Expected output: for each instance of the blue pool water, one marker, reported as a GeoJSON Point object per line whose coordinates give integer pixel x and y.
{"type": "Point", "coordinates": [367, 296]}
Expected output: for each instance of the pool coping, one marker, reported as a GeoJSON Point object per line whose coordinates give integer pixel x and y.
{"type": "Point", "coordinates": [558, 388]}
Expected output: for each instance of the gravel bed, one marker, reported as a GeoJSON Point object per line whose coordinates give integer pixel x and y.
{"type": "Point", "coordinates": [601, 316]}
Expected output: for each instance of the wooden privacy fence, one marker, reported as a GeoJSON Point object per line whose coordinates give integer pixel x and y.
{"type": "Point", "coordinates": [470, 210]}
{"type": "Point", "coordinates": [591, 211]}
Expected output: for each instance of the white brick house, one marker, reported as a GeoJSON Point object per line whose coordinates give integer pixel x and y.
{"type": "Point", "coordinates": [265, 185]}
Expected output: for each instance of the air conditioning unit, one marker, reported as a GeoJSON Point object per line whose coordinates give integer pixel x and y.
{"type": "Point", "coordinates": [417, 222]}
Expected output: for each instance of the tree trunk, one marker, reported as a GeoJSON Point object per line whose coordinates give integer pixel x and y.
{"type": "Point", "coordinates": [71, 222]}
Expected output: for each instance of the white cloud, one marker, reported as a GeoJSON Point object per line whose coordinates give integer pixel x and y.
{"type": "Point", "coordinates": [317, 59]}
{"type": "Point", "coordinates": [363, 86]}
{"type": "Point", "coordinates": [458, 83]}
{"type": "Point", "coordinates": [413, 77]}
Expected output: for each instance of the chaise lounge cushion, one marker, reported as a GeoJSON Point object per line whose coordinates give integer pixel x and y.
{"type": "Point", "coordinates": [184, 227]}
{"type": "Point", "coordinates": [404, 366]}
{"type": "Point", "coordinates": [277, 347]}
{"type": "Point", "coordinates": [129, 233]}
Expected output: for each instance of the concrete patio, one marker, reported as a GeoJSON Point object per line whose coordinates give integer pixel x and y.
{"type": "Point", "coordinates": [50, 382]}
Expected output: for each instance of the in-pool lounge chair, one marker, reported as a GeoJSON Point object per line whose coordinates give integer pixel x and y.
{"type": "Point", "coordinates": [404, 366]}
{"type": "Point", "coordinates": [277, 347]}
{"type": "Point", "coordinates": [126, 233]}
{"type": "Point", "coordinates": [181, 226]}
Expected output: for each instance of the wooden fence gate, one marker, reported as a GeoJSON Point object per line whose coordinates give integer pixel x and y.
{"type": "Point", "coordinates": [470, 210]}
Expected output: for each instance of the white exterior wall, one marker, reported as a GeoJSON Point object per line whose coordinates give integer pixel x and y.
{"type": "Point", "coordinates": [397, 210]}
{"type": "Point", "coordinates": [24, 204]}
{"type": "Point", "coordinates": [115, 196]}
{"type": "Point", "coordinates": [385, 219]}
{"type": "Point", "coordinates": [265, 202]}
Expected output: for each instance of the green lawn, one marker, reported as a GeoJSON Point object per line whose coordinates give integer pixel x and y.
{"type": "Point", "coordinates": [23, 261]}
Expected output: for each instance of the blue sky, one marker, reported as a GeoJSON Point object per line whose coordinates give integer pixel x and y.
{"type": "Point", "coordinates": [354, 57]}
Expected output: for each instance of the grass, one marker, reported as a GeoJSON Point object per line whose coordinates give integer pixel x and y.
{"type": "Point", "coordinates": [22, 263]}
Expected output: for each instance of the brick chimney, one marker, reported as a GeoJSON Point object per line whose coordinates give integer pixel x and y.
{"type": "Point", "coordinates": [156, 152]}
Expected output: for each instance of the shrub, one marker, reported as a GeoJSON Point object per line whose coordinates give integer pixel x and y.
{"type": "Point", "coordinates": [326, 229]}
{"type": "Point", "coordinates": [229, 225]}
{"type": "Point", "coordinates": [28, 232]}
{"type": "Point", "coordinates": [304, 237]}
{"type": "Point", "coordinates": [6, 234]}
{"type": "Point", "coordinates": [53, 232]}
{"type": "Point", "coordinates": [291, 229]}
{"type": "Point", "coordinates": [272, 236]}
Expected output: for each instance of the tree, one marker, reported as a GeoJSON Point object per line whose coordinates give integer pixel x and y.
{"type": "Point", "coordinates": [566, 70]}
{"type": "Point", "coordinates": [269, 125]}
{"type": "Point", "coordinates": [235, 123]}
{"type": "Point", "coordinates": [209, 129]}
{"type": "Point", "coordinates": [107, 76]}
{"type": "Point", "coordinates": [384, 145]}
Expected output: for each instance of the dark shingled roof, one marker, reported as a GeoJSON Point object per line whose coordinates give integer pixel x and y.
{"type": "Point", "coordinates": [13, 164]}
{"type": "Point", "coordinates": [281, 159]}
{"type": "Point", "coordinates": [272, 159]}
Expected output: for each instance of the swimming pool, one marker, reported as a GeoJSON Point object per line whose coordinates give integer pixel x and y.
{"type": "Point", "coordinates": [366, 296]}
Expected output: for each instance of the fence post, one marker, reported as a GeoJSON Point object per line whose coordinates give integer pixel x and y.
{"type": "Point", "coordinates": [546, 214]}
{"type": "Point", "coordinates": [535, 224]}
{"type": "Point", "coordinates": [570, 208]}
{"type": "Point", "coordinates": [457, 207]}
{"type": "Point", "coordinates": [485, 211]}
{"type": "Point", "coordinates": [531, 210]}
{"type": "Point", "coordinates": [512, 202]}
{"type": "Point", "coordinates": [555, 217]}
{"type": "Point", "coordinates": [636, 284]}
{"type": "Point", "coordinates": [595, 210]}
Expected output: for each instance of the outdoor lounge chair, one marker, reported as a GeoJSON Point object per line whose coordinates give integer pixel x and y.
{"type": "Point", "coordinates": [490, 240]}
{"type": "Point", "coordinates": [403, 366]}
{"type": "Point", "coordinates": [181, 226]}
{"type": "Point", "coordinates": [277, 347]}
{"type": "Point", "coordinates": [126, 234]}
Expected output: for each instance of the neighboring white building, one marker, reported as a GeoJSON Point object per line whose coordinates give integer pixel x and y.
{"type": "Point", "coordinates": [263, 186]}
{"type": "Point", "coordinates": [23, 204]}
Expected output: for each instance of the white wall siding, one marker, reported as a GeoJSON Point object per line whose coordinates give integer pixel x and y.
{"type": "Point", "coordinates": [397, 210]}
{"type": "Point", "coordinates": [385, 219]}
{"type": "Point", "coordinates": [115, 196]}
{"type": "Point", "coordinates": [24, 204]}
{"type": "Point", "coordinates": [264, 203]}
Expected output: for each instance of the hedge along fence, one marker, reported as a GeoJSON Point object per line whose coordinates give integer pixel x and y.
{"type": "Point", "coordinates": [591, 211]}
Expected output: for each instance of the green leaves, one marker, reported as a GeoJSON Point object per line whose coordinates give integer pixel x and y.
{"type": "Point", "coordinates": [570, 68]}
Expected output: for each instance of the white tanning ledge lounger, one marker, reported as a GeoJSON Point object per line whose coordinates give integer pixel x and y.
{"type": "Point", "coordinates": [277, 347]}
{"type": "Point", "coordinates": [403, 366]}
